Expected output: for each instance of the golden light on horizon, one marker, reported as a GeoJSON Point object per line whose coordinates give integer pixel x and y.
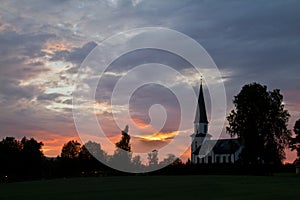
{"type": "Point", "coordinates": [160, 136]}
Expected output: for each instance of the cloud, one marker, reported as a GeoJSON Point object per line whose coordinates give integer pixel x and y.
{"type": "Point", "coordinates": [144, 146]}
{"type": "Point", "coordinates": [41, 50]}
{"type": "Point", "coordinates": [158, 136]}
{"type": "Point", "coordinates": [75, 55]}
{"type": "Point", "coordinates": [11, 91]}
{"type": "Point", "coordinates": [49, 97]}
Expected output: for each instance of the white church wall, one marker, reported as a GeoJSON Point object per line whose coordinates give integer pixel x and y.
{"type": "Point", "coordinates": [224, 158]}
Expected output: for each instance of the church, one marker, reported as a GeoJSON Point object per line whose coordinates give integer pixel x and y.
{"type": "Point", "coordinates": [203, 148]}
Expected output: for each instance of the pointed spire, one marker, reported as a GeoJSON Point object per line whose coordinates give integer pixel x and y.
{"type": "Point", "coordinates": [201, 116]}
{"type": "Point", "coordinates": [126, 129]}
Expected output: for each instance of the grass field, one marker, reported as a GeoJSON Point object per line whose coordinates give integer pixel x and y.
{"type": "Point", "coordinates": [157, 187]}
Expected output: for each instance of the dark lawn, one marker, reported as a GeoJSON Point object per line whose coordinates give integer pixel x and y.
{"type": "Point", "coordinates": [157, 187]}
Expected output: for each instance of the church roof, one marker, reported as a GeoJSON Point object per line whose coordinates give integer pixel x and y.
{"type": "Point", "coordinates": [201, 116]}
{"type": "Point", "coordinates": [223, 146]}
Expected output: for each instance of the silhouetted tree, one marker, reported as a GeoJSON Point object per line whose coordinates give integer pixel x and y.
{"type": "Point", "coordinates": [295, 142]}
{"type": "Point", "coordinates": [10, 157]}
{"type": "Point", "coordinates": [171, 160]}
{"type": "Point", "coordinates": [32, 156]}
{"type": "Point", "coordinates": [168, 160]}
{"type": "Point", "coordinates": [21, 159]}
{"type": "Point", "coordinates": [124, 143]}
{"type": "Point", "coordinates": [177, 162]}
{"type": "Point", "coordinates": [188, 162]}
{"type": "Point", "coordinates": [69, 163]}
{"type": "Point", "coordinates": [122, 155]}
{"type": "Point", "coordinates": [91, 157]}
{"type": "Point", "coordinates": [91, 150]}
{"type": "Point", "coordinates": [260, 121]}
{"type": "Point", "coordinates": [136, 162]}
{"type": "Point", "coordinates": [153, 158]}
{"type": "Point", "coordinates": [70, 150]}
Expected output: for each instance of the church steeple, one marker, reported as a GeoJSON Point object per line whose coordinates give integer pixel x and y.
{"type": "Point", "coordinates": [201, 116]}
{"type": "Point", "coordinates": [200, 127]}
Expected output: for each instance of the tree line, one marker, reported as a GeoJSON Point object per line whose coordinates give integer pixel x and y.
{"type": "Point", "coordinates": [258, 119]}
{"type": "Point", "coordinates": [24, 159]}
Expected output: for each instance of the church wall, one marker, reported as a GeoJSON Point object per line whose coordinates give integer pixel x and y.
{"type": "Point", "coordinates": [224, 158]}
{"type": "Point", "coordinates": [237, 153]}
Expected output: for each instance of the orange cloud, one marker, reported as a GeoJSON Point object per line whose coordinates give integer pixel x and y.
{"type": "Point", "coordinates": [53, 46]}
{"type": "Point", "coordinates": [52, 146]}
{"type": "Point", "coordinates": [140, 123]}
{"type": "Point", "coordinates": [159, 136]}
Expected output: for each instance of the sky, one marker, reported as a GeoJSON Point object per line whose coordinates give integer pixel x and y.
{"type": "Point", "coordinates": [43, 43]}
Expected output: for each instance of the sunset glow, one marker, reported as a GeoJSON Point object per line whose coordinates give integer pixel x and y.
{"type": "Point", "coordinates": [42, 51]}
{"type": "Point", "coordinates": [159, 136]}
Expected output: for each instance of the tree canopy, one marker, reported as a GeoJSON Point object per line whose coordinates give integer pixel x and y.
{"type": "Point", "coordinates": [91, 150]}
{"type": "Point", "coordinates": [22, 158]}
{"type": "Point", "coordinates": [124, 143]}
{"type": "Point", "coordinates": [122, 155]}
{"type": "Point", "coordinates": [70, 150]}
{"type": "Point", "coordinates": [295, 142]}
{"type": "Point", "coordinates": [153, 158]}
{"type": "Point", "coordinates": [260, 121]}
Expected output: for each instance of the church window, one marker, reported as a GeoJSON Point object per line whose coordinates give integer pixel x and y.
{"type": "Point", "coordinates": [229, 159]}
{"type": "Point", "coordinates": [217, 159]}
{"type": "Point", "coordinates": [224, 159]}
{"type": "Point", "coordinates": [209, 159]}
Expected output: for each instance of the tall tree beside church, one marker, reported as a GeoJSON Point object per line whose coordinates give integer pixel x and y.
{"type": "Point", "coordinates": [260, 121]}
{"type": "Point", "coordinates": [295, 142]}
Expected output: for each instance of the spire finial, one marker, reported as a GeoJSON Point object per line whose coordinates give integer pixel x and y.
{"type": "Point", "coordinates": [201, 79]}
{"type": "Point", "coordinates": [201, 116]}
